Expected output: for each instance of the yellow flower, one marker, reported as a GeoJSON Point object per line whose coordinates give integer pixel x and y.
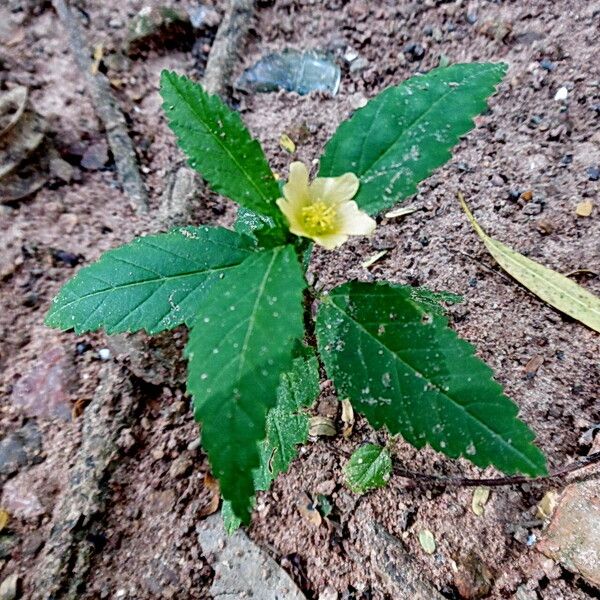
{"type": "Point", "coordinates": [323, 210]}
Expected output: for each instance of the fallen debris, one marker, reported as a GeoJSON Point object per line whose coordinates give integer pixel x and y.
{"type": "Point", "coordinates": [66, 561]}
{"type": "Point", "coordinates": [572, 536]}
{"type": "Point", "coordinates": [24, 162]}
{"type": "Point", "coordinates": [292, 71]}
{"type": "Point", "coordinates": [399, 574]}
{"type": "Point", "coordinates": [242, 569]}
{"type": "Point", "coordinates": [223, 54]}
{"type": "Point", "coordinates": [107, 110]}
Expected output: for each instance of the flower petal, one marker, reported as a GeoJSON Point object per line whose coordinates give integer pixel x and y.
{"type": "Point", "coordinates": [293, 215]}
{"type": "Point", "coordinates": [334, 190]}
{"type": "Point", "coordinates": [331, 240]}
{"type": "Point", "coordinates": [350, 220]}
{"type": "Point", "coordinates": [296, 188]}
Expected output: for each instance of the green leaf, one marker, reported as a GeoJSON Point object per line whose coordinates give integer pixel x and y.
{"type": "Point", "coordinates": [287, 427]}
{"type": "Point", "coordinates": [401, 366]}
{"type": "Point", "coordinates": [263, 229]}
{"type": "Point", "coordinates": [154, 283]}
{"type": "Point", "coordinates": [407, 131]}
{"type": "Point", "coordinates": [552, 287]}
{"type": "Point", "coordinates": [240, 344]}
{"type": "Point", "coordinates": [219, 146]}
{"type": "Point", "coordinates": [369, 468]}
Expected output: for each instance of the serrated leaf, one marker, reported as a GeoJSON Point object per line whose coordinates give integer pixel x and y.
{"type": "Point", "coordinates": [369, 468]}
{"type": "Point", "coordinates": [287, 424]}
{"type": "Point", "coordinates": [401, 366]}
{"type": "Point", "coordinates": [154, 283]}
{"type": "Point", "coordinates": [263, 229]}
{"type": "Point", "coordinates": [407, 131]}
{"type": "Point", "coordinates": [548, 285]}
{"type": "Point", "coordinates": [287, 427]}
{"type": "Point", "coordinates": [218, 145]}
{"type": "Point", "coordinates": [240, 344]}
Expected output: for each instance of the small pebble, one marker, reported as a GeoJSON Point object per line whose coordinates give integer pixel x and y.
{"type": "Point", "coordinates": [562, 94]}
{"type": "Point", "coordinates": [546, 64]}
{"type": "Point", "coordinates": [104, 354]}
{"type": "Point", "coordinates": [82, 347]}
{"type": "Point", "coordinates": [414, 52]}
{"type": "Point", "coordinates": [532, 208]}
{"type": "Point", "coordinates": [593, 173]}
{"type": "Point", "coordinates": [68, 258]}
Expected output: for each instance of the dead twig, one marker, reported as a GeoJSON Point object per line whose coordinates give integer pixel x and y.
{"type": "Point", "coordinates": [76, 521]}
{"type": "Point", "coordinates": [459, 481]}
{"type": "Point", "coordinates": [223, 54]}
{"type": "Point", "coordinates": [107, 110]}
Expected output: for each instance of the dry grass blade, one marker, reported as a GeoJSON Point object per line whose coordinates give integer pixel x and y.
{"type": "Point", "coordinates": [550, 286]}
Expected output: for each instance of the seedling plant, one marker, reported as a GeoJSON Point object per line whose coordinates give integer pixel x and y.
{"type": "Point", "coordinates": [254, 348]}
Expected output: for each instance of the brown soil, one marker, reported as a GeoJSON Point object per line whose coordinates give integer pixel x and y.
{"type": "Point", "coordinates": [527, 141]}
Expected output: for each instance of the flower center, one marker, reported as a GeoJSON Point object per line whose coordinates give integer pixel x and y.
{"type": "Point", "coordinates": [319, 218]}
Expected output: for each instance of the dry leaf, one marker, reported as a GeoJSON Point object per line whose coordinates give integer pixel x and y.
{"type": "Point", "coordinates": [12, 105]}
{"type": "Point", "coordinates": [212, 485]}
{"type": "Point", "coordinates": [308, 510]}
{"type": "Point", "coordinates": [533, 364]}
{"type": "Point", "coordinates": [547, 504]}
{"type": "Point", "coordinates": [480, 497]}
{"type": "Point", "coordinates": [4, 519]}
{"type": "Point", "coordinates": [584, 209]}
{"type": "Point", "coordinates": [373, 259]}
{"type": "Point", "coordinates": [321, 426]}
{"type": "Point", "coordinates": [552, 287]}
{"type": "Point", "coordinates": [427, 541]}
{"type": "Point", "coordinates": [401, 212]}
{"type": "Point", "coordinates": [286, 142]}
{"type": "Point", "coordinates": [98, 55]}
{"type": "Point", "coordinates": [347, 418]}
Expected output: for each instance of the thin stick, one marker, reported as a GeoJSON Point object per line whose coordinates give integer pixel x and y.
{"type": "Point", "coordinates": [459, 481]}
{"type": "Point", "coordinates": [231, 32]}
{"type": "Point", "coordinates": [107, 110]}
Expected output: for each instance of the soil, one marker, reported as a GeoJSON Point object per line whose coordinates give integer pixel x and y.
{"type": "Point", "coordinates": [527, 142]}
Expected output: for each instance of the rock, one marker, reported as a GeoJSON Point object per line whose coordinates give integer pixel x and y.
{"type": "Point", "coordinates": [176, 202]}
{"type": "Point", "coordinates": [67, 258]}
{"type": "Point", "coordinates": [586, 155]}
{"type": "Point", "coordinates": [401, 577]}
{"type": "Point", "coordinates": [43, 391]}
{"type": "Point", "coordinates": [414, 52]}
{"type": "Point", "coordinates": [561, 94]}
{"type": "Point", "coordinates": [532, 208]}
{"type": "Point", "coordinates": [204, 17]}
{"type": "Point", "coordinates": [96, 156]}
{"type": "Point", "coordinates": [473, 579]}
{"type": "Point", "coordinates": [360, 64]}
{"type": "Point", "coordinates": [104, 354]}
{"type": "Point", "coordinates": [293, 71]}
{"type": "Point", "coordinates": [20, 448]}
{"type": "Point", "coordinates": [9, 589]}
{"type": "Point", "coordinates": [572, 537]}
{"type": "Point", "coordinates": [329, 593]}
{"type": "Point", "coordinates": [7, 545]}
{"type": "Point", "coordinates": [180, 467]}
{"type": "Point", "coordinates": [593, 173]}
{"type": "Point", "coordinates": [547, 64]}
{"type": "Point", "coordinates": [159, 27]}
{"type": "Point", "coordinates": [242, 569]}
{"type": "Point", "coordinates": [20, 501]}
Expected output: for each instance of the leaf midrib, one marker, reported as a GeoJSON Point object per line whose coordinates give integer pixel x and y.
{"type": "Point", "coordinates": [507, 251]}
{"type": "Point", "coordinates": [201, 119]}
{"type": "Point", "coordinates": [252, 317]}
{"type": "Point", "coordinates": [454, 402]}
{"type": "Point", "coordinates": [143, 282]}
